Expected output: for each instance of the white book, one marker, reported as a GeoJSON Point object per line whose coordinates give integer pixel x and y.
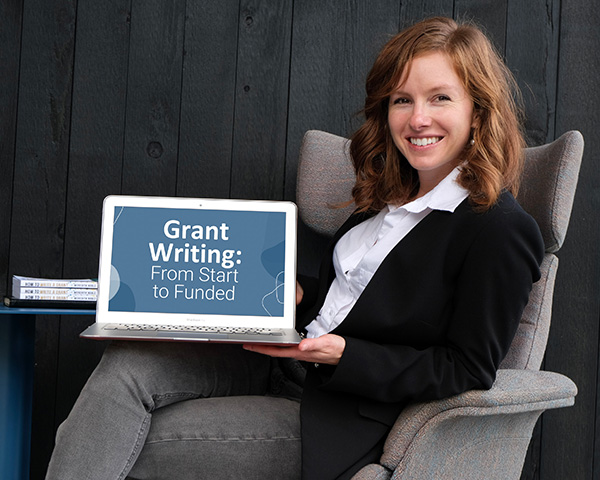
{"type": "Point", "coordinates": [20, 282]}
{"type": "Point", "coordinates": [32, 296]}
{"type": "Point", "coordinates": [34, 293]}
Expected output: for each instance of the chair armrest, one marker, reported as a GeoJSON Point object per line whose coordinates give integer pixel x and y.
{"type": "Point", "coordinates": [514, 391]}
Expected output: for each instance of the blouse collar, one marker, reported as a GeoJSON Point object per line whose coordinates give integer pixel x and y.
{"type": "Point", "coordinates": [447, 195]}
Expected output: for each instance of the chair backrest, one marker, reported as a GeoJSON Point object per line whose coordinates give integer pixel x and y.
{"type": "Point", "coordinates": [326, 176]}
{"type": "Point", "coordinates": [547, 193]}
{"type": "Point", "coordinates": [548, 185]}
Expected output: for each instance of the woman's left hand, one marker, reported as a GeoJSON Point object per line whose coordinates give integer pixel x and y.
{"type": "Point", "coordinates": [327, 349]}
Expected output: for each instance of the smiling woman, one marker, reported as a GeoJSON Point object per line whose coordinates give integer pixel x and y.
{"type": "Point", "coordinates": [430, 118]}
{"type": "Point", "coordinates": [475, 76]}
{"type": "Point", "coordinates": [411, 305]}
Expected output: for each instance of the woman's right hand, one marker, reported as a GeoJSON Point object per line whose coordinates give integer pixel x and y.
{"type": "Point", "coordinates": [327, 348]}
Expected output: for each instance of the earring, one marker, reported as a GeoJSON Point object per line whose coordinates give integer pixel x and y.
{"type": "Point", "coordinates": [472, 141]}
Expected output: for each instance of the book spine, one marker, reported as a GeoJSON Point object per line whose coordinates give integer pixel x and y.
{"type": "Point", "coordinates": [48, 283]}
{"type": "Point", "coordinates": [42, 296]}
{"type": "Point", "coordinates": [53, 304]}
{"type": "Point", "coordinates": [69, 292]}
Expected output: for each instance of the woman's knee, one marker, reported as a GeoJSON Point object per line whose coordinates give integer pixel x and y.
{"type": "Point", "coordinates": [130, 364]}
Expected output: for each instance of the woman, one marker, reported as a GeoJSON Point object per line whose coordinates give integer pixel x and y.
{"type": "Point", "coordinates": [421, 291]}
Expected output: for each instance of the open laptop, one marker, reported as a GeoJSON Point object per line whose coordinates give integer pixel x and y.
{"type": "Point", "coordinates": [190, 269]}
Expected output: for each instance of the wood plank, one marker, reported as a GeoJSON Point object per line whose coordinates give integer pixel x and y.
{"type": "Point", "coordinates": [98, 124]}
{"type": "Point", "coordinates": [258, 156]}
{"type": "Point", "coordinates": [207, 98]}
{"type": "Point", "coordinates": [11, 14]}
{"type": "Point", "coordinates": [490, 15]}
{"type": "Point", "coordinates": [531, 465]}
{"type": "Point", "coordinates": [412, 12]}
{"type": "Point", "coordinates": [42, 138]}
{"type": "Point", "coordinates": [569, 435]}
{"type": "Point", "coordinates": [153, 97]}
{"type": "Point", "coordinates": [536, 24]}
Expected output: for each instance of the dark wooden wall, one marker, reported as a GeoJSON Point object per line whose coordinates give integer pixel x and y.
{"type": "Point", "coordinates": [211, 98]}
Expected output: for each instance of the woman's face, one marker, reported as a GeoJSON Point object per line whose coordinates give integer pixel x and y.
{"type": "Point", "coordinates": [430, 117]}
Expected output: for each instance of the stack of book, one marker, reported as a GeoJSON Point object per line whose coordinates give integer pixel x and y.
{"type": "Point", "coordinates": [31, 292]}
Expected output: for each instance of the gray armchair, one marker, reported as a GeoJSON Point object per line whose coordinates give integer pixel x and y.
{"type": "Point", "coordinates": [480, 434]}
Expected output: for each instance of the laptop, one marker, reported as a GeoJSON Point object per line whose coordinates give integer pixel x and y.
{"type": "Point", "coordinates": [197, 270]}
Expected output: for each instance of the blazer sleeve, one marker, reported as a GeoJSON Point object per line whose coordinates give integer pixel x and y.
{"type": "Point", "coordinates": [492, 289]}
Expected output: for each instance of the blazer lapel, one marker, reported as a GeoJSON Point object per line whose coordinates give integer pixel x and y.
{"type": "Point", "coordinates": [326, 270]}
{"type": "Point", "coordinates": [413, 245]}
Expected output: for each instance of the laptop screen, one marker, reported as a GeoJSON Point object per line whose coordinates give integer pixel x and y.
{"type": "Point", "coordinates": [223, 258]}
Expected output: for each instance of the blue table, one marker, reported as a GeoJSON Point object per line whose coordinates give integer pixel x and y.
{"type": "Point", "coordinates": [17, 340]}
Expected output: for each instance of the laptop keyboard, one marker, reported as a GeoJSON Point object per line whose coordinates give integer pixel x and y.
{"type": "Point", "coordinates": [192, 328]}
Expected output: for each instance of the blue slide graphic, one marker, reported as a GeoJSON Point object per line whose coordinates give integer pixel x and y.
{"type": "Point", "coordinates": [198, 261]}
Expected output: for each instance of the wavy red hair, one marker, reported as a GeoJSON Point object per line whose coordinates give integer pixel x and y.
{"type": "Point", "coordinates": [495, 160]}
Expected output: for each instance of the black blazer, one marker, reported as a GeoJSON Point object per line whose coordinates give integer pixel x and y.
{"type": "Point", "coordinates": [436, 319]}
